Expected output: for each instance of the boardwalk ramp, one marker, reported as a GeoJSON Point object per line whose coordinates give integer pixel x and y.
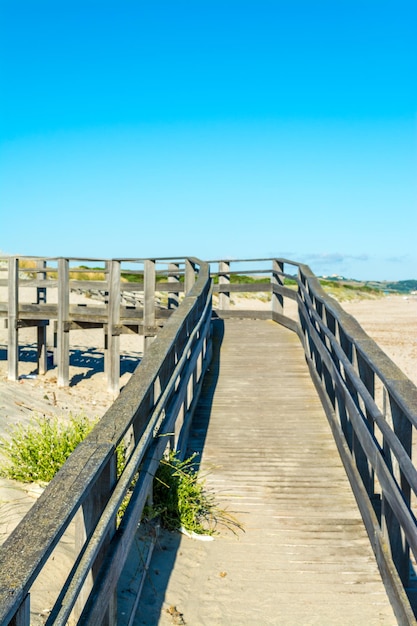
{"type": "Point", "coordinates": [304, 556]}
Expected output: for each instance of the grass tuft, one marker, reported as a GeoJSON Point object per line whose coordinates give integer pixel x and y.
{"type": "Point", "coordinates": [181, 499]}
{"type": "Point", "coordinates": [35, 452]}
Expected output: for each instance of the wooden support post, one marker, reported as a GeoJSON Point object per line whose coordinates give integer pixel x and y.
{"type": "Point", "coordinates": [149, 302]}
{"type": "Point", "coordinates": [42, 352]}
{"type": "Point", "coordinates": [22, 617]}
{"type": "Point", "coordinates": [63, 323]}
{"type": "Point", "coordinates": [12, 321]}
{"type": "Point", "coordinates": [40, 291]}
{"type": "Point", "coordinates": [106, 326]}
{"type": "Point", "coordinates": [277, 299]}
{"type": "Point", "coordinates": [345, 422]}
{"type": "Point", "coordinates": [224, 296]}
{"type": "Point", "coordinates": [173, 296]}
{"type": "Point", "coordinates": [400, 549]}
{"type": "Point", "coordinates": [367, 376]}
{"type": "Point", "coordinates": [113, 335]}
{"type": "Point", "coordinates": [85, 522]}
{"type": "Point", "coordinates": [189, 278]}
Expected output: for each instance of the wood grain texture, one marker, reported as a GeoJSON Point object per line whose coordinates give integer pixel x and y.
{"type": "Point", "coordinates": [269, 454]}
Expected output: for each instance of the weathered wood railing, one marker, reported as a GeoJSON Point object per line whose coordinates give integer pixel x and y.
{"type": "Point", "coordinates": [40, 292]}
{"type": "Point", "coordinates": [371, 406]}
{"type": "Point", "coordinates": [372, 409]}
{"type": "Point", "coordinates": [151, 413]}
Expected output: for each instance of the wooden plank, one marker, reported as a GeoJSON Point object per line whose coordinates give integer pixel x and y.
{"type": "Point", "coordinates": [276, 281]}
{"type": "Point", "coordinates": [22, 617]}
{"type": "Point", "coordinates": [224, 282]}
{"type": "Point", "coordinates": [174, 282]}
{"type": "Point", "coordinates": [13, 335]}
{"type": "Point", "coordinates": [112, 361]}
{"type": "Point", "coordinates": [149, 301]}
{"type": "Point", "coordinates": [224, 287]}
{"type": "Point", "coordinates": [243, 314]}
{"type": "Point", "coordinates": [189, 278]}
{"type": "Point", "coordinates": [63, 319]}
{"type": "Point", "coordinates": [86, 521]}
{"type": "Point", "coordinates": [268, 453]}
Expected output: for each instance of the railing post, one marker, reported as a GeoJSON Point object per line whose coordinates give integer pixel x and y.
{"type": "Point", "coordinates": [345, 422]}
{"type": "Point", "coordinates": [189, 278]}
{"type": "Point", "coordinates": [149, 302]}
{"type": "Point", "coordinates": [12, 319]}
{"type": "Point", "coordinates": [400, 549]}
{"type": "Point", "coordinates": [22, 617]}
{"type": "Point", "coordinates": [112, 338]}
{"type": "Point", "coordinates": [367, 376]}
{"type": "Point", "coordinates": [277, 299]}
{"type": "Point", "coordinates": [42, 353]}
{"type": "Point", "coordinates": [85, 522]}
{"type": "Point", "coordinates": [224, 296]}
{"type": "Point", "coordinates": [63, 323]}
{"type": "Point", "coordinates": [40, 291]}
{"type": "Point", "coordinates": [329, 321]}
{"type": "Point", "coordinates": [173, 296]}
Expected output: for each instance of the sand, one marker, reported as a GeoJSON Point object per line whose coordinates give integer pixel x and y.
{"type": "Point", "coordinates": [391, 321]}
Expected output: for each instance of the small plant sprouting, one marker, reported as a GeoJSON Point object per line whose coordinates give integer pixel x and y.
{"type": "Point", "coordinates": [181, 499]}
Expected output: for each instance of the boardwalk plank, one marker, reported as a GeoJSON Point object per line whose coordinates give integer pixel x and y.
{"type": "Point", "coordinates": [304, 557]}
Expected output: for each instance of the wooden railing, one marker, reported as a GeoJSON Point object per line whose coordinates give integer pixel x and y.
{"type": "Point", "coordinates": [151, 413]}
{"type": "Point", "coordinates": [372, 409]}
{"type": "Point", "coordinates": [121, 296]}
{"type": "Point", "coordinates": [370, 404]}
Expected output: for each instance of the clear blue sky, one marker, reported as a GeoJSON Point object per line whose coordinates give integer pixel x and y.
{"type": "Point", "coordinates": [214, 128]}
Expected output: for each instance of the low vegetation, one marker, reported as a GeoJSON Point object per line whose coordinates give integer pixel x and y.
{"type": "Point", "coordinates": [182, 500]}
{"type": "Point", "coordinates": [343, 291]}
{"type": "Point", "coordinates": [34, 452]}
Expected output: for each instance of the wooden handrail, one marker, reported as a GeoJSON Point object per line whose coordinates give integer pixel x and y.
{"type": "Point", "coordinates": [149, 404]}
{"type": "Point", "coordinates": [374, 441]}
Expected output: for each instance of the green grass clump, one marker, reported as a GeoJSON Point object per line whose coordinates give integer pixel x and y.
{"type": "Point", "coordinates": [343, 291]}
{"type": "Point", "coordinates": [242, 279]}
{"type": "Point", "coordinates": [34, 452]}
{"type": "Point", "coordinates": [181, 499]}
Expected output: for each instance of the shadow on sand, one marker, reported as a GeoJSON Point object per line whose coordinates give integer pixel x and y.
{"type": "Point", "coordinates": [152, 599]}
{"type": "Point", "coordinates": [90, 360]}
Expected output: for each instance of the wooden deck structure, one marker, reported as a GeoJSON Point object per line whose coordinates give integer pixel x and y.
{"type": "Point", "coordinates": [40, 292]}
{"type": "Point", "coordinates": [371, 409]}
{"type": "Point", "coordinates": [267, 450]}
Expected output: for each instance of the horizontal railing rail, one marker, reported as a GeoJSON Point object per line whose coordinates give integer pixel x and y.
{"type": "Point", "coordinates": [121, 296]}
{"type": "Point", "coordinates": [276, 279]}
{"type": "Point", "coordinates": [152, 413]}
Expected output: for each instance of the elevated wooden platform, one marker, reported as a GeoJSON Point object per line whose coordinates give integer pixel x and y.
{"type": "Point", "coordinates": [265, 442]}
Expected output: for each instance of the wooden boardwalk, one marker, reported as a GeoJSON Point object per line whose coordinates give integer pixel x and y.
{"type": "Point", "coordinates": [304, 557]}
